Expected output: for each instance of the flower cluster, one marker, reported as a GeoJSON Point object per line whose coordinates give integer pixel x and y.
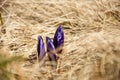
{"type": "Point", "coordinates": [53, 47]}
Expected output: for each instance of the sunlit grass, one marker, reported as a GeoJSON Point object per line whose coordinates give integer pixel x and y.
{"type": "Point", "coordinates": [92, 37]}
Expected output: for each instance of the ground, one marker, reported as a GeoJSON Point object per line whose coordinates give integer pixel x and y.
{"type": "Point", "coordinates": [92, 37]}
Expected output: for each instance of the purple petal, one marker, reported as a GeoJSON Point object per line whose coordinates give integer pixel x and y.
{"type": "Point", "coordinates": [50, 46]}
{"type": "Point", "coordinates": [40, 48]}
{"type": "Point", "coordinates": [51, 50]}
{"type": "Point", "coordinates": [58, 40]}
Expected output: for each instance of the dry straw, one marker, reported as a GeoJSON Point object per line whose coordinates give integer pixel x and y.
{"type": "Point", "coordinates": [92, 37]}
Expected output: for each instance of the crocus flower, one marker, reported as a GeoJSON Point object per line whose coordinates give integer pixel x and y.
{"type": "Point", "coordinates": [40, 48]}
{"type": "Point", "coordinates": [58, 40]}
{"type": "Point", "coordinates": [51, 50]}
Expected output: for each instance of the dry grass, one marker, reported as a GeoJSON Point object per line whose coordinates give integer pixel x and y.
{"type": "Point", "coordinates": [92, 37]}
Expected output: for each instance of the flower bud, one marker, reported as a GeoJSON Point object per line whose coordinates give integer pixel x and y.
{"type": "Point", "coordinates": [58, 40]}
{"type": "Point", "coordinates": [51, 50]}
{"type": "Point", "coordinates": [40, 48]}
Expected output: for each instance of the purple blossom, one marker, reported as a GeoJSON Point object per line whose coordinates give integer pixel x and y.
{"type": "Point", "coordinates": [40, 48]}
{"type": "Point", "coordinates": [58, 40]}
{"type": "Point", "coordinates": [51, 50]}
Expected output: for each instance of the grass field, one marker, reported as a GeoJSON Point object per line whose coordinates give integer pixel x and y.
{"type": "Point", "coordinates": [92, 38]}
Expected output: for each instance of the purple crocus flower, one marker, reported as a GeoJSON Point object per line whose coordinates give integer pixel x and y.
{"type": "Point", "coordinates": [51, 50]}
{"type": "Point", "coordinates": [40, 48]}
{"type": "Point", "coordinates": [58, 40]}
